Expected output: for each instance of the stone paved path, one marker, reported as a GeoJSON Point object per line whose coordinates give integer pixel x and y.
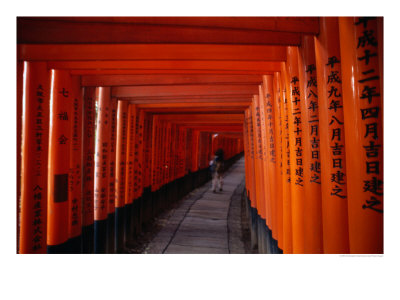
{"type": "Point", "coordinates": [200, 224]}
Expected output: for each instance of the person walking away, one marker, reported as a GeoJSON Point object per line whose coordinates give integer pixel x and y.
{"type": "Point", "coordinates": [217, 169]}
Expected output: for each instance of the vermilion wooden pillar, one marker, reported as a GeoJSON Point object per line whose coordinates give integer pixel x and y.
{"type": "Point", "coordinates": [361, 54]}
{"type": "Point", "coordinates": [311, 149]}
{"type": "Point", "coordinates": [268, 97]}
{"type": "Point", "coordinates": [138, 167]}
{"type": "Point", "coordinates": [75, 171]}
{"type": "Point", "coordinates": [35, 141]}
{"type": "Point", "coordinates": [332, 138]}
{"type": "Point", "coordinates": [120, 174]}
{"type": "Point", "coordinates": [129, 186]}
{"type": "Point", "coordinates": [296, 141]}
{"type": "Point", "coordinates": [88, 169]}
{"type": "Point", "coordinates": [20, 85]}
{"type": "Point", "coordinates": [112, 176]}
{"type": "Point", "coordinates": [279, 156]}
{"type": "Point", "coordinates": [266, 184]}
{"type": "Point", "coordinates": [60, 139]}
{"type": "Point", "coordinates": [101, 181]}
{"type": "Point", "coordinates": [258, 153]}
{"type": "Point", "coordinates": [286, 165]}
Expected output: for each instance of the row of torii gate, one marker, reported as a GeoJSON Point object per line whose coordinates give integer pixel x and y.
{"type": "Point", "coordinates": [115, 112]}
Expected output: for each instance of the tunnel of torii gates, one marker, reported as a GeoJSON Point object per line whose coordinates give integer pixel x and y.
{"type": "Point", "coordinates": [119, 117]}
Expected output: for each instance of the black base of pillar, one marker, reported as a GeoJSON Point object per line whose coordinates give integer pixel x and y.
{"type": "Point", "coordinates": [100, 237]}
{"type": "Point", "coordinates": [88, 239]}
{"type": "Point", "coordinates": [119, 229]}
{"type": "Point", "coordinates": [111, 233]}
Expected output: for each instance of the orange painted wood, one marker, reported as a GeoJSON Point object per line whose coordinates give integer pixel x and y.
{"type": "Point", "coordinates": [258, 159]}
{"type": "Point", "coordinates": [289, 24]}
{"type": "Point", "coordinates": [296, 142]}
{"type": "Point", "coordinates": [55, 32]}
{"type": "Point", "coordinates": [102, 154]}
{"type": "Point", "coordinates": [20, 84]}
{"type": "Point", "coordinates": [34, 157]}
{"type": "Point", "coordinates": [269, 108]}
{"type": "Point", "coordinates": [209, 65]}
{"type": "Point", "coordinates": [311, 147]}
{"type": "Point", "coordinates": [332, 139]}
{"type": "Point", "coordinates": [279, 156]}
{"type": "Point", "coordinates": [60, 138]}
{"type": "Point", "coordinates": [197, 105]}
{"type": "Point", "coordinates": [250, 132]}
{"type": "Point", "coordinates": [120, 164]}
{"type": "Point", "coordinates": [138, 167]}
{"type": "Point", "coordinates": [184, 90]}
{"type": "Point", "coordinates": [88, 155]}
{"type": "Point", "coordinates": [118, 71]}
{"type": "Point", "coordinates": [260, 113]}
{"type": "Point", "coordinates": [360, 41]}
{"type": "Point", "coordinates": [286, 166]}
{"type": "Point", "coordinates": [149, 52]}
{"type": "Point", "coordinates": [75, 169]}
{"type": "Point", "coordinates": [155, 157]}
{"type": "Point", "coordinates": [146, 162]}
{"type": "Point", "coordinates": [168, 79]}
{"type": "Point", "coordinates": [130, 154]}
{"type": "Point", "coordinates": [113, 155]}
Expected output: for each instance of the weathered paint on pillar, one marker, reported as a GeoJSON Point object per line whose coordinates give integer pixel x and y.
{"type": "Point", "coordinates": [332, 138]}
{"type": "Point", "coordinates": [35, 139]}
{"type": "Point", "coordinates": [311, 149]}
{"type": "Point", "coordinates": [360, 42]}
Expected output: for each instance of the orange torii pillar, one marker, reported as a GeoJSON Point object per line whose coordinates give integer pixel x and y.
{"type": "Point", "coordinates": [332, 138]}
{"type": "Point", "coordinates": [137, 170]}
{"type": "Point", "coordinates": [146, 167]}
{"type": "Point", "coordinates": [286, 166]}
{"type": "Point", "coordinates": [296, 142]}
{"type": "Point", "coordinates": [35, 139]}
{"type": "Point", "coordinates": [88, 169]}
{"type": "Point", "coordinates": [311, 149]}
{"type": "Point", "coordinates": [251, 178]}
{"type": "Point", "coordinates": [129, 186]}
{"type": "Point", "coordinates": [120, 174]}
{"type": "Point", "coordinates": [361, 49]}
{"type": "Point", "coordinates": [265, 232]}
{"type": "Point", "coordinates": [269, 96]}
{"type": "Point", "coordinates": [279, 156]}
{"type": "Point", "coordinates": [259, 176]}
{"type": "Point", "coordinates": [102, 159]}
{"type": "Point", "coordinates": [75, 172]}
{"type": "Point", "coordinates": [112, 176]}
{"type": "Point", "coordinates": [157, 151]}
{"type": "Point", "coordinates": [61, 98]}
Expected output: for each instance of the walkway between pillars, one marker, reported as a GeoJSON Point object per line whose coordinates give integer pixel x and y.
{"type": "Point", "coordinates": [205, 222]}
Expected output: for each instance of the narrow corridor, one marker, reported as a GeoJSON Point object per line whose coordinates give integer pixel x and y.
{"type": "Point", "coordinates": [200, 224]}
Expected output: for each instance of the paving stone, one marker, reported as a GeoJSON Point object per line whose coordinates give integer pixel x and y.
{"type": "Point", "coordinates": [178, 249]}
